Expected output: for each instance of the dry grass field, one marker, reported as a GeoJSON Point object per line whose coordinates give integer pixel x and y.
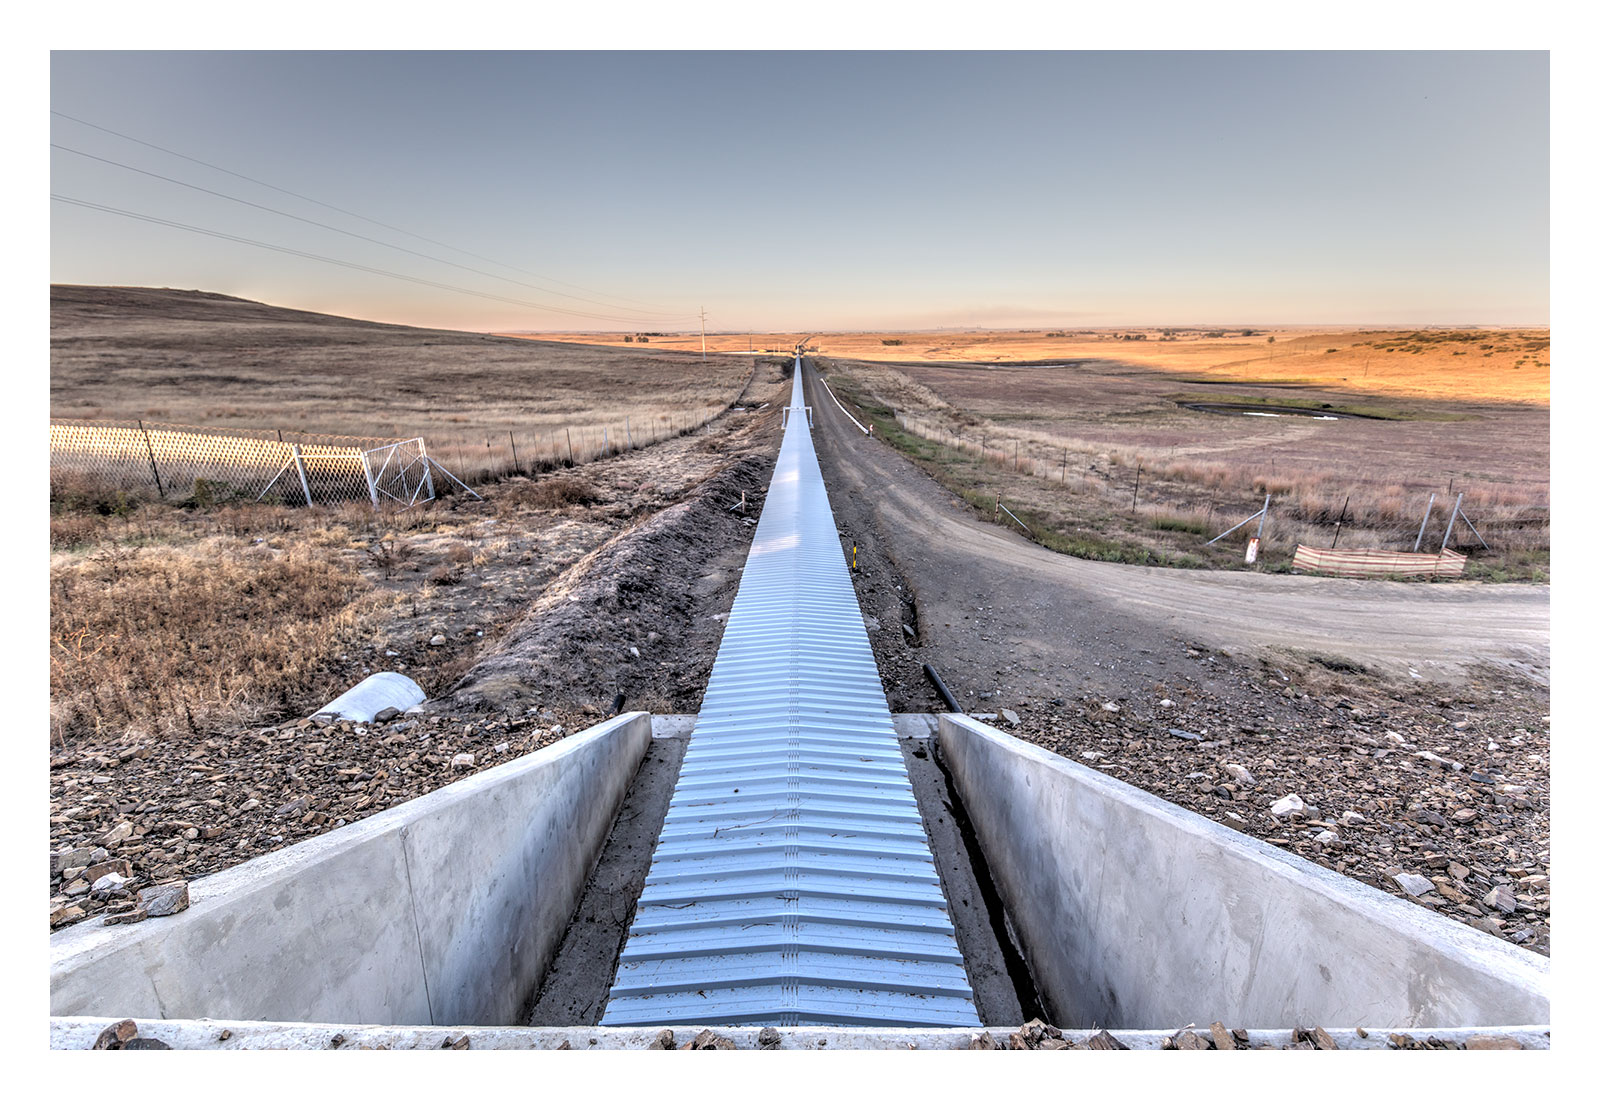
{"type": "Point", "coordinates": [188, 357]}
{"type": "Point", "coordinates": [1101, 458]}
{"type": "Point", "coordinates": [1478, 364]}
{"type": "Point", "coordinates": [1136, 477]}
{"type": "Point", "coordinates": [181, 616]}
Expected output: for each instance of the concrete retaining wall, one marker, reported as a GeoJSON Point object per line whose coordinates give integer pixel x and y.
{"type": "Point", "coordinates": [1135, 913]}
{"type": "Point", "coordinates": [444, 910]}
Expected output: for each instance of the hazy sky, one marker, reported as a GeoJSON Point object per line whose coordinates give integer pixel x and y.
{"type": "Point", "coordinates": [817, 191]}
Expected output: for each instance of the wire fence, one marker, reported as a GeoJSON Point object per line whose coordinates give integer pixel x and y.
{"type": "Point", "coordinates": [480, 454]}
{"type": "Point", "coordinates": [183, 462]}
{"type": "Point", "coordinates": [180, 461]}
{"type": "Point", "coordinates": [1019, 453]}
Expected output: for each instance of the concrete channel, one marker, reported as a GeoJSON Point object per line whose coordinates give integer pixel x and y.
{"type": "Point", "coordinates": [581, 897]}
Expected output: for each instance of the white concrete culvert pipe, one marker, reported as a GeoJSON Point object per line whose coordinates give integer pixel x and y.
{"type": "Point", "coordinates": [375, 694]}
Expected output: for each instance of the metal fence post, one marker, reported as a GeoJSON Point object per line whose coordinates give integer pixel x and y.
{"type": "Point", "coordinates": [300, 465]}
{"type": "Point", "coordinates": [151, 451]}
{"type": "Point", "coordinates": [372, 485]}
{"type": "Point", "coordinates": [427, 465]}
{"type": "Point", "coordinates": [1451, 526]}
{"type": "Point", "coordinates": [1425, 515]}
{"type": "Point", "coordinates": [627, 426]}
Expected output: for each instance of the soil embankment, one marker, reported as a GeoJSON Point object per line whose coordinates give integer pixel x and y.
{"type": "Point", "coordinates": [630, 618]}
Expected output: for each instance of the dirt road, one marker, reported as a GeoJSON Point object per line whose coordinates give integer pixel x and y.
{"type": "Point", "coordinates": [1050, 625]}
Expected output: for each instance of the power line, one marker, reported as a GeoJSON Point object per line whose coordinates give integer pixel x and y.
{"type": "Point", "coordinates": [348, 213]}
{"type": "Point", "coordinates": [349, 233]}
{"type": "Point", "coordinates": [151, 218]}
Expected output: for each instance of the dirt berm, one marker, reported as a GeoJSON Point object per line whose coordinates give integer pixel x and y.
{"type": "Point", "coordinates": [642, 615]}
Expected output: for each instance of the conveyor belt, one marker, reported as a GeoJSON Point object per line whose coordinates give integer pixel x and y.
{"type": "Point", "coordinates": [792, 882]}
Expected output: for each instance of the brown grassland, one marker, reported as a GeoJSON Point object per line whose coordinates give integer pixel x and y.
{"type": "Point", "coordinates": [1084, 435]}
{"type": "Point", "coordinates": [171, 616]}
{"type": "Point", "coordinates": [187, 357]}
{"type": "Point", "coordinates": [158, 609]}
{"type": "Point", "coordinates": [1473, 364]}
{"type": "Point", "coordinates": [1062, 446]}
{"type": "Point", "coordinates": [1099, 457]}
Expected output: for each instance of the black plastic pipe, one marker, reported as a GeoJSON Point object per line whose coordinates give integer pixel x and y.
{"type": "Point", "coordinates": [944, 692]}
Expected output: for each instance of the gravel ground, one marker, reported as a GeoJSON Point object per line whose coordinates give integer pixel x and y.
{"type": "Point", "coordinates": [1443, 798]}
{"type": "Point", "coordinates": [201, 805]}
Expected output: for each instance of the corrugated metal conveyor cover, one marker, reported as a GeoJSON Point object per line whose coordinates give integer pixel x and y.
{"type": "Point", "coordinates": [792, 882]}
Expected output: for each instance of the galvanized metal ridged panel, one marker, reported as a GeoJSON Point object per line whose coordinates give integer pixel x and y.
{"type": "Point", "coordinates": [792, 881]}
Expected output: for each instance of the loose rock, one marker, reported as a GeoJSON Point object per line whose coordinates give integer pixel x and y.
{"type": "Point", "coordinates": [1104, 1040]}
{"type": "Point", "coordinates": [1414, 885]}
{"type": "Point", "coordinates": [710, 1040]}
{"type": "Point", "coordinates": [145, 1042]}
{"type": "Point", "coordinates": [114, 1036]}
{"type": "Point", "coordinates": [1502, 899]}
{"type": "Point", "coordinates": [165, 900]}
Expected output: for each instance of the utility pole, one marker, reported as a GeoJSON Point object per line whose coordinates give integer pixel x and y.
{"type": "Point", "coordinates": [702, 334]}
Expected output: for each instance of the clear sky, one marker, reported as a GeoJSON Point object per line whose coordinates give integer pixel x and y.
{"type": "Point", "coordinates": [795, 191]}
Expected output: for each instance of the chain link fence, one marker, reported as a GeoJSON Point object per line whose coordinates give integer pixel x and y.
{"type": "Point", "coordinates": [181, 462]}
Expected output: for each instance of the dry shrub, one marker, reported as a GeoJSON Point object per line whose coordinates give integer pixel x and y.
{"type": "Point", "coordinates": [1211, 475]}
{"type": "Point", "coordinates": [73, 529]}
{"type": "Point", "coordinates": [551, 492]}
{"type": "Point", "coordinates": [151, 642]}
{"type": "Point", "coordinates": [94, 495]}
